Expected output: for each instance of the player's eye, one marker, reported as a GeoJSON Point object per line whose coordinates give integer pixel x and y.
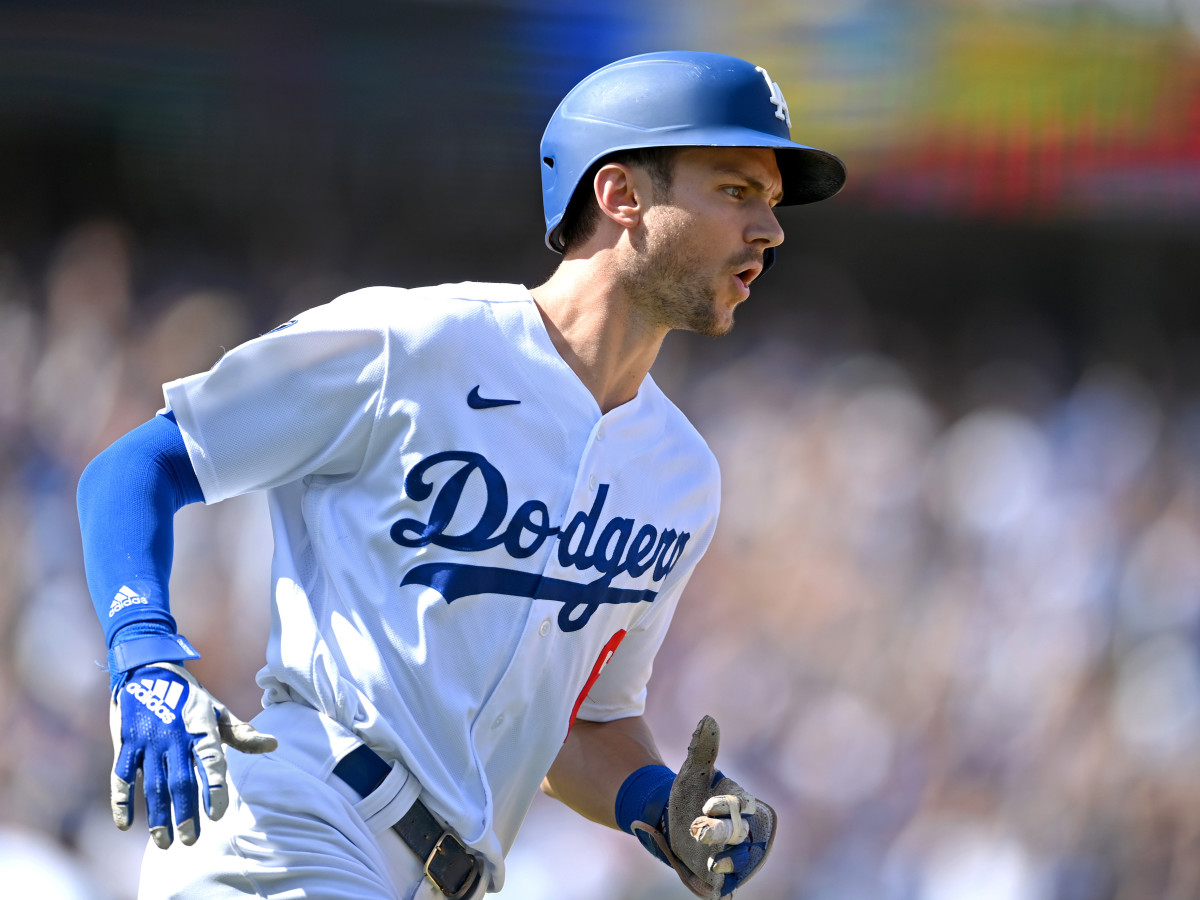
{"type": "Point", "coordinates": [736, 191]}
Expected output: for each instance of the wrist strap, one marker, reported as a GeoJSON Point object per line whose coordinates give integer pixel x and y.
{"type": "Point", "coordinates": [643, 797]}
{"type": "Point", "coordinates": [150, 648]}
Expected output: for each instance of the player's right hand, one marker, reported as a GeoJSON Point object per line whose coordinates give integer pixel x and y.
{"type": "Point", "coordinates": [164, 723]}
{"type": "Point", "coordinates": [713, 833]}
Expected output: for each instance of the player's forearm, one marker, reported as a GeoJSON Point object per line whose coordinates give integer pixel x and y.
{"type": "Point", "coordinates": [595, 761]}
{"type": "Point", "coordinates": [127, 498]}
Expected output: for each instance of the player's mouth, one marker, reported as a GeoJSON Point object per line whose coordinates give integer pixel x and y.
{"type": "Point", "coordinates": [744, 276]}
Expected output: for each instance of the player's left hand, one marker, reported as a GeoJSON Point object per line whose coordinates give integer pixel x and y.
{"type": "Point", "coordinates": [164, 723]}
{"type": "Point", "coordinates": [713, 833]}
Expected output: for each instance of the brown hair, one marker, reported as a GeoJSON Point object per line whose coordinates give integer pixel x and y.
{"type": "Point", "coordinates": [583, 213]}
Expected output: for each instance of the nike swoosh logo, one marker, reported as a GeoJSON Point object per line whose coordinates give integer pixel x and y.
{"type": "Point", "coordinates": [476, 402]}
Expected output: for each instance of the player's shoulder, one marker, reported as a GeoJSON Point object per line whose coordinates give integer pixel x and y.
{"type": "Point", "coordinates": [462, 297]}
{"type": "Point", "coordinates": [432, 309]}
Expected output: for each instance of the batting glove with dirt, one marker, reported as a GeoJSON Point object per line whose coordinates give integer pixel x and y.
{"type": "Point", "coordinates": [714, 834]}
{"type": "Point", "coordinates": [164, 723]}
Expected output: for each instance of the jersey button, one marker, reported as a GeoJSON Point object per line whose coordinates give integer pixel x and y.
{"type": "Point", "coordinates": [545, 628]}
{"type": "Point", "coordinates": [592, 482]}
{"type": "Point", "coordinates": [499, 721]}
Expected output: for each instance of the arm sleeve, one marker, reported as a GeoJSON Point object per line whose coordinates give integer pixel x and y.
{"type": "Point", "coordinates": [127, 500]}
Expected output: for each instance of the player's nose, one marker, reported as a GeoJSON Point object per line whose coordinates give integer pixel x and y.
{"type": "Point", "coordinates": [765, 231]}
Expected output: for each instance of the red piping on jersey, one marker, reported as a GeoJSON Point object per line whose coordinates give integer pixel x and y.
{"type": "Point", "coordinates": [601, 661]}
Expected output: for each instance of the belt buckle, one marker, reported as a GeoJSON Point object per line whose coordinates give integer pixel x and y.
{"type": "Point", "coordinates": [448, 854]}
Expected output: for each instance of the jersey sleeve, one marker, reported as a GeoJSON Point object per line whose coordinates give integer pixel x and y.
{"type": "Point", "coordinates": [620, 691]}
{"type": "Point", "coordinates": [300, 400]}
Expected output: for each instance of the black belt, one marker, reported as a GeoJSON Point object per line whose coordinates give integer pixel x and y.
{"type": "Point", "coordinates": [447, 862]}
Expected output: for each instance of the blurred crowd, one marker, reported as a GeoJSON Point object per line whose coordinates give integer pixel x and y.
{"type": "Point", "coordinates": [953, 643]}
{"type": "Point", "coordinates": [966, 647]}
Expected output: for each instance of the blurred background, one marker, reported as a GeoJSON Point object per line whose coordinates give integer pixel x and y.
{"type": "Point", "coordinates": [954, 598]}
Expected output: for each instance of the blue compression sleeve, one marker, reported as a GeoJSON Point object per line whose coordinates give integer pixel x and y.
{"type": "Point", "coordinates": [127, 498]}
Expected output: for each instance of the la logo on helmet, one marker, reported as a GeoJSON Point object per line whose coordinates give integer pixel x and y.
{"type": "Point", "coordinates": [781, 107]}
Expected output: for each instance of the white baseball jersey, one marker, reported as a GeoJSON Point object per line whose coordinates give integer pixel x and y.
{"type": "Point", "coordinates": [462, 539]}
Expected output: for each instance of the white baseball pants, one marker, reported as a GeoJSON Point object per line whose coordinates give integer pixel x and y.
{"type": "Point", "coordinates": [294, 830]}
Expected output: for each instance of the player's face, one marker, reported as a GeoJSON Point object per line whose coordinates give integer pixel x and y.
{"type": "Point", "coordinates": [703, 245]}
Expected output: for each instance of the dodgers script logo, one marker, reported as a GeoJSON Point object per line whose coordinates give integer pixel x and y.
{"type": "Point", "coordinates": [615, 547]}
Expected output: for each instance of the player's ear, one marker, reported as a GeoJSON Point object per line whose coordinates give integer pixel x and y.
{"type": "Point", "coordinates": [620, 195]}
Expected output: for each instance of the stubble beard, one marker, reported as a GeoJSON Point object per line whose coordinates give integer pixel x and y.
{"type": "Point", "coordinates": [671, 285]}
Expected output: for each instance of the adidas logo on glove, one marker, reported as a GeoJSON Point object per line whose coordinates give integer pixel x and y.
{"type": "Point", "coordinates": [159, 696]}
{"type": "Point", "coordinates": [125, 597]}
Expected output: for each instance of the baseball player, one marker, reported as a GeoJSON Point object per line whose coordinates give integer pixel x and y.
{"type": "Point", "coordinates": [484, 513]}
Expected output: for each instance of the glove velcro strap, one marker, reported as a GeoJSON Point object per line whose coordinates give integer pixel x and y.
{"type": "Point", "coordinates": [643, 797]}
{"type": "Point", "coordinates": [642, 800]}
{"type": "Point", "coordinates": [150, 648]}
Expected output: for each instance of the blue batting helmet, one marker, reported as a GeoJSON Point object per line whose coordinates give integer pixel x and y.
{"type": "Point", "coordinates": [676, 99]}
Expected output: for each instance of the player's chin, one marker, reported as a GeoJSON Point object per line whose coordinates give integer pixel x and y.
{"type": "Point", "coordinates": [717, 322]}
{"type": "Point", "coordinates": [722, 313]}
{"type": "Point", "coordinates": [729, 300]}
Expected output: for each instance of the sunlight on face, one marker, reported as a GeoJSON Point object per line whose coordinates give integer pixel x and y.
{"type": "Point", "coordinates": [700, 243]}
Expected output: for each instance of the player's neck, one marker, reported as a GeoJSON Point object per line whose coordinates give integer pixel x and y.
{"type": "Point", "coordinates": [591, 326]}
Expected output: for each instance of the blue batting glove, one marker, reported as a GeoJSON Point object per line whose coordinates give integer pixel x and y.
{"type": "Point", "coordinates": [164, 723]}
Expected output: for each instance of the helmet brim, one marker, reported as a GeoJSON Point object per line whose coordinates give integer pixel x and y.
{"type": "Point", "coordinates": [809, 175]}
